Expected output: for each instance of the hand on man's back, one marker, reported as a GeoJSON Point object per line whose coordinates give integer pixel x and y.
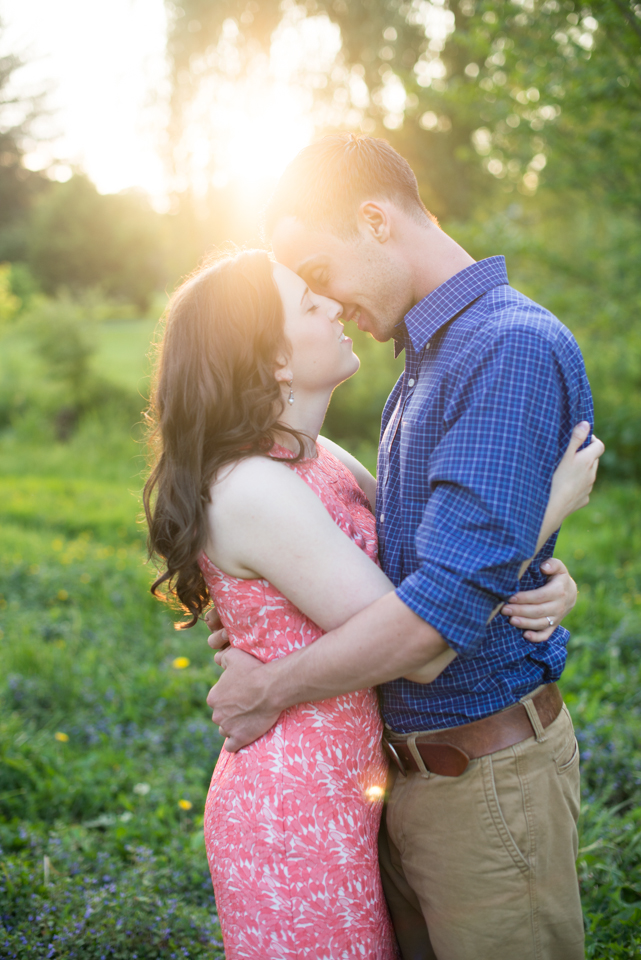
{"type": "Point", "coordinates": [234, 699]}
{"type": "Point", "coordinates": [238, 700]}
{"type": "Point", "coordinates": [218, 638]}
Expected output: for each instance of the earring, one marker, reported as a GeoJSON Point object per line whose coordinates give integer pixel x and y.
{"type": "Point", "coordinates": [290, 398]}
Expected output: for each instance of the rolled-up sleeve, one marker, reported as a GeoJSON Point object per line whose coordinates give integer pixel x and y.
{"type": "Point", "coordinates": [489, 482]}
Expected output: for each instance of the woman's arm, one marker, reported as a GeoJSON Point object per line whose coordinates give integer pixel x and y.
{"type": "Point", "coordinates": [571, 484]}
{"type": "Point", "coordinates": [571, 487]}
{"type": "Point", "coordinates": [265, 522]}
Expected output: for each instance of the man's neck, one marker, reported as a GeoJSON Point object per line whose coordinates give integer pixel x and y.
{"type": "Point", "coordinates": [433, 256]}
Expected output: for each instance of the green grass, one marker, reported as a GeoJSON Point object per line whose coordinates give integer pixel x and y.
{"type": "Point", "coordinates": [87, 654]}
{"type": "Point", "coordinates": [122, 352]}
{"type": "Point", "coordinates": [96, 849]}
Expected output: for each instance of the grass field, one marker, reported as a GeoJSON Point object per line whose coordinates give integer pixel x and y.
{"type": "Point", "coordinates": [106, 746]}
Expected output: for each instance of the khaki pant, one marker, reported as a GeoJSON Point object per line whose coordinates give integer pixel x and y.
{"type": "Point", "coordinates": [482, 866]}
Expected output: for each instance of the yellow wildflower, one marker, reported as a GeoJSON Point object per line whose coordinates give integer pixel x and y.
{"type": "Point", "coordinates": [185, 804]}
{"type": "Point", "coordinates": [62, 737]}
{"type": "Point", "coordinates": [180, 663]}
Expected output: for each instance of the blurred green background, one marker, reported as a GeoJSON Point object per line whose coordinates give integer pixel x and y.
{"type": "Point", "coordinates": [522, 121]}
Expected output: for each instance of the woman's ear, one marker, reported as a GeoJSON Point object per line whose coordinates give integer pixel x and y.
{"type": "Point", "coordinates": [283, 372]}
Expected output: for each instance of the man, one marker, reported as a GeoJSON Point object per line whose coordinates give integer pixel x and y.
{"type": "Point", "coordinates": [480, 841]}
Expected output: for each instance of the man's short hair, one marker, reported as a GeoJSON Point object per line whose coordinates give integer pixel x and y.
{"type": "Point", "coordinates": [327, 181]}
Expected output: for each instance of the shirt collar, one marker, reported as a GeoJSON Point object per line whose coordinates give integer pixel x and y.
{"type": "Point", "coordinates": [430, 313]}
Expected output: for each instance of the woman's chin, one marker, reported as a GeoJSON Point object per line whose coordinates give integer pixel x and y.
{"type": "Point", "coordinates": [357, 365]}
{"type": "Point", "coordinates": [350, 369]}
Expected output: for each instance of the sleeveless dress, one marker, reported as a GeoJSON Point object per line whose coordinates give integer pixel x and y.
{"type": "Point", "coordinates": [291, 821]}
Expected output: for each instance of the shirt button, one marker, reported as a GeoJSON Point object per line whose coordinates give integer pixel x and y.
{"type": "Point", "coordinates": [382, 518]}
{"type": "Point", "coordinates": [411, 383]}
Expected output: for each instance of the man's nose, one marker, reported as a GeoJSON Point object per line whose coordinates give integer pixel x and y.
{"type": "Point", "coordinates": [336, 310]}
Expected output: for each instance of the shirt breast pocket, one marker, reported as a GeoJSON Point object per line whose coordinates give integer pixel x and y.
{"type": "Point", "coordinates": [416, 441]}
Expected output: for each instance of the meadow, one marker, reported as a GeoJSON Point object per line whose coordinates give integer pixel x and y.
{"type": "Point", "coordinates": [106, 744]}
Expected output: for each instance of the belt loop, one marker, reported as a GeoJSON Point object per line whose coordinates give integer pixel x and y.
{"type": "Point", "coordinates": [534, 718]}
{"type": "Point", "coordinates": [413, 749]}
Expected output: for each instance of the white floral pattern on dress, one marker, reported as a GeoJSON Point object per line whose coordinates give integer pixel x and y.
{"type": "Point", "coordinates": [291, 821]}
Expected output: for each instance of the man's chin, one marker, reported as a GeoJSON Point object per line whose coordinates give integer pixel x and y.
{"type": "Point", "coordinates": [378, 332]}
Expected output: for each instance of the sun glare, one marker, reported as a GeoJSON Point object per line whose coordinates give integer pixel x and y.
{"type": "Point", "coordinates": [249, 111]}
{"type": "Point", "coordinates": [252, 115]}
{"type": "Point", "coordinates": [258, 129]}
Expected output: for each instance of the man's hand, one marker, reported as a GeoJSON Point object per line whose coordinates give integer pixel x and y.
{"type": "Point", "coordinates": [529, 610]}
{"type": "Point", "coordinates": [239, 703]}
{"type": "Point", "coordinates": [218, 638]}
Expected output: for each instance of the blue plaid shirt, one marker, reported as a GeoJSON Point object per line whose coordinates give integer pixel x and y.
{"type": "Point", "coordinates": [471, 435]}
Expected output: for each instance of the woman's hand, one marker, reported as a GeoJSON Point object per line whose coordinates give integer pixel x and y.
{"type": "Point", "coordinates": [572, 484]}
{"type": "Point", "coordinates": [529, 610]}
{"type": "Point", "coordinates": [575, 475]}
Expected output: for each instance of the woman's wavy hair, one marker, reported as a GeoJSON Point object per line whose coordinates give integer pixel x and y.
{"type": "Point", "coordinates": [215, 400]}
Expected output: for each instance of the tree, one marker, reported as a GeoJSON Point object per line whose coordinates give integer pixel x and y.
{"type": "Point", "coordinates": [494, 91]}
{"type": "Point", "coordinates": [18, 186]}
{"type": "Point", "coordinates": [79, 238]}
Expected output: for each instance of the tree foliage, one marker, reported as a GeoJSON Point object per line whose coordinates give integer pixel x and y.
{"type": "Point", "coordinates": [494, 90]}
{"type": "Point", "coordinates": [80, 239]}
{"type": "Point", "coordinates": [18, 186]}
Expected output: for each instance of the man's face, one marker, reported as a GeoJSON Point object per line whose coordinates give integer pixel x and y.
{"type": "Point", "coordinates": [367, 277]}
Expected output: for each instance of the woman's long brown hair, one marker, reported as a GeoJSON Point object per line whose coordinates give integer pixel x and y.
{"type": "Point", "coordinates": [215, 400]}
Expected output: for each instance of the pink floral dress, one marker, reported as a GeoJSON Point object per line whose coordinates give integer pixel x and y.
{"type": "Point", "coordinates": [291, 821]}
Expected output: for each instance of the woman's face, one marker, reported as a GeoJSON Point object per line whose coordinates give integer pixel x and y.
{"type": "Point", "coordinates": [322, 356]}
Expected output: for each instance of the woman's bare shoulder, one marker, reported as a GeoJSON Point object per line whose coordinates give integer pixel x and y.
{"type": "Point", "coordinates": [255, 482]}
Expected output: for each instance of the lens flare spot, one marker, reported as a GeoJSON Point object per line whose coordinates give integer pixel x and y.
{"type": "Point", "coordinates": [375, 793]}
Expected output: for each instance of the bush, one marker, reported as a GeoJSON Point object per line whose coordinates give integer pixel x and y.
{"type": "Point", "coordinates": [63, 387]}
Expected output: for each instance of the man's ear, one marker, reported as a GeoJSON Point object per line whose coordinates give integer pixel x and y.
{"type": "Point", "coordinates": [375, 219]}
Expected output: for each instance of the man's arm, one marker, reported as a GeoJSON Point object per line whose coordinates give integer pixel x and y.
{"type": "Point", "coordinates": [475, 534]}
{"type": "Point", "coordinates": [384, 641]}
{"type": "Point", "coordinates": [487, 497]}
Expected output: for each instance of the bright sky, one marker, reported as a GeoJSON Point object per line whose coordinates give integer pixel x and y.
{"type": "Point", "coordinates": [102, 62]}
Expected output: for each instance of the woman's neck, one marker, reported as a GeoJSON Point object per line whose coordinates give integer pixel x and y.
{"type": "Point", "coordinates": [305, 415]}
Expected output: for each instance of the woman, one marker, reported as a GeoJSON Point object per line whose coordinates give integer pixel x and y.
{"type": "Point", "coordinates": [277, 529]}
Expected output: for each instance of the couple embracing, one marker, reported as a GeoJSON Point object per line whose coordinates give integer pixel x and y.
{"type": "Point", "coordinates": [391, 640]}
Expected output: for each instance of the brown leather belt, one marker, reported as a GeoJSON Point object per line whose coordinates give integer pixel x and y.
{"type": "Point", "coordinates": [448, 752]}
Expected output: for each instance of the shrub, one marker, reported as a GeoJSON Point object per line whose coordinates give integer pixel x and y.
{"type": "Point", "coordinates": [64, 387]}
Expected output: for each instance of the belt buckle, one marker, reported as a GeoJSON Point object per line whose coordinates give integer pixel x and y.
{"type": "Point", "coordinates": [393, 754]}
